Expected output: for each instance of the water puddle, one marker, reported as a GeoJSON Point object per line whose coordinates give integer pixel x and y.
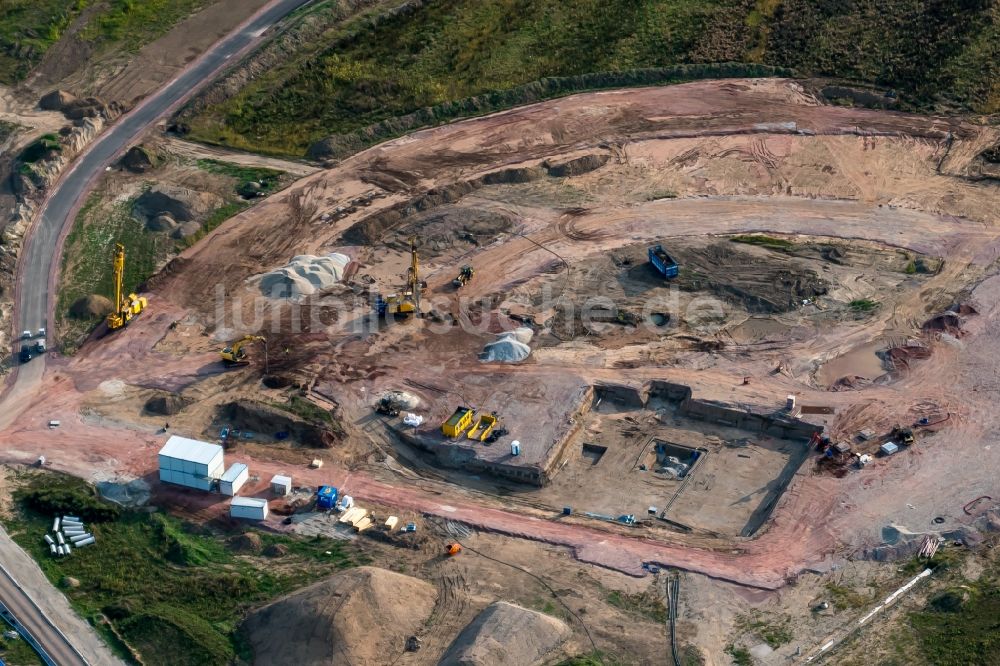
{"type": "Point", "coordinates": [859, 362]}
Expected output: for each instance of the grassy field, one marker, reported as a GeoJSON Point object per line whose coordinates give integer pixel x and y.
{"type": "Point", "coordinates": [162, 583]}
{"type": "Point", "coordinates": [374, 69]}
{"type": "Point", "coordinates": [28, 28]}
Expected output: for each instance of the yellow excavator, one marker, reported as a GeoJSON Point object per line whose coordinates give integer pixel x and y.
{"type": "Point", "coordinates": [407, 302]}
{"type": "Point", "coordinates": [235, 354]}
{"type": "Point", "coordinates": [126, 307]}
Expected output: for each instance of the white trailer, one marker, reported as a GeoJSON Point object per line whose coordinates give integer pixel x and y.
{"type": "Point", "coordinates": [233, 479]}
{"type": "Point", "coordinates": [248, 508]}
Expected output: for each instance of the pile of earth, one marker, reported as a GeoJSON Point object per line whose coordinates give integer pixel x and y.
{"type": "Point", "coordinates": [249, 543]}
{"type": "Point", "coordinates": [175, 209]}
{"type": "Point", "coordinates": [304, 275]}
{"type": "Point", "coordinates": [139, 159]}
{"type": "Point", "coordinates": [90, 307]}
{"type": "Point", "coordinates": [505, 634]}
{"type": "Point", "coordinates": [359, 616]}
{"type": "Point", "coordinates": [509, 347]}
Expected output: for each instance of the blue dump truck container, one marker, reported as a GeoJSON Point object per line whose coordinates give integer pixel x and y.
{"type": "Point", "coordinates": [663, 262]}
{"type": "Point", "coordinates": [326, 497]}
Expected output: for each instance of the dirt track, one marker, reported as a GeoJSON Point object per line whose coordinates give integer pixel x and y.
{"type": "Point", "coordinates": [732, 163]}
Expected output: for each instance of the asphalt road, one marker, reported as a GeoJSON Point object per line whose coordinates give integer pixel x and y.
{"type": "Point", "coordinates": [36, 301]}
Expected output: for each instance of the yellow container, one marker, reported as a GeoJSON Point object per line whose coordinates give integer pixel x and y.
{"type": "Point", "coordinates": [458, 423]}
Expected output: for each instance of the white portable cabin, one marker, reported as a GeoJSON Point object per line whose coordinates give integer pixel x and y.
{"type": "Point", "coordinates": [188, 462]}
{"type": "Point", "coordinates": [281, 485]}
{"type": "Point", "coordinates": [249, 508]}
{"type": "Point", "coordinates": [233, 479]}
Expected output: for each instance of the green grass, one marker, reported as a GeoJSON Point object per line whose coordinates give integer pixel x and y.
{"type": "Point", "coordinates": [844, 597]}
{"type": "Point", "coordinates": [268, 179]}
{"type": "Point", "coordinates": [642, 603]}
{"type": "Point", "coordinates": [773, 632]}
{"type": "Point", "coordinates": [7, 130]}
{"type": "Point", "coordinates": [863, 305]}
{"type": "Point", "coordinates": [964, 633]}
{"type": "Point", "coordinates": [760, 240]}
{"type": "Point", "coordinates": [740, 655]}
{"type": "Point", "coordinates": [29, 28]}
{"type": "Point", "coordinates": [374, 68]}
{"type": "Point", "coordinates": [131, 24]}
{"type": "Point", "coordinates": [39, 148]}
{"type": "Point", "coordinates": [16, 652]}
{"type": "Point", "coordinates": [163, 583]}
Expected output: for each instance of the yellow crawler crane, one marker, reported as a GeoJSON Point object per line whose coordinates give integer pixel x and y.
{"type": "Point", "coordinates": [126, 307]}
{"type": "Point", "coordinates": [235, 354]}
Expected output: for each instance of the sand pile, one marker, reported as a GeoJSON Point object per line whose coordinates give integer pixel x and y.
{"type": "Point", "coordinates": [509, 347]}
{"type": "Point", "coordinates": [506, 635]}
{"type": "Point", "coordinates": [359, 616]}
{"type": "Point", "coordinates": [304, 275]}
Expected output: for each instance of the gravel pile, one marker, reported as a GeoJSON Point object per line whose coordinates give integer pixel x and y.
{"type": "Point", "coordinates": [304, 275]}
{"type": "Point", "coordinates": [509, 347]}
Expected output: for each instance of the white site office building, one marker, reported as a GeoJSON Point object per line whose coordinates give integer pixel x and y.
{"type": "Point", "coordinates": [190, 463]}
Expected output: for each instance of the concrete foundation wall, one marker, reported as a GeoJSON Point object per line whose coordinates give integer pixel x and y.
{"type": "Point", "coordinates": [776, 425]}
{"type": "Point", "coordinates": [668, 390]}
{"type": "Point", "coordinates": [622, 394]}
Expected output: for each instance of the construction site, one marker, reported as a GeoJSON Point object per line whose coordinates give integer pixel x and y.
{"type": "Point", "coordinates": [663, 327]}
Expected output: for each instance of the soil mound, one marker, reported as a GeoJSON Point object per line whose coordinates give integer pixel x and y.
{"type": "Point", "coordinates": [138, 160]}
{"type": "Point", "coordinates": [90, 307]}
{"type": "Point", "coordinates": [56, 100]}
{"type": "Point", "coordinates": [162, 223]}
{"type": "Point", "coordinates": [359, 616]}
{"type": "Point", "coordinates": [948, 322]}
{"type": "Point", "coordinates": [506, 635]}
{"type": "Point", "coordinates": [248, 543]}
{"type": "Point", "coordinates": [180, 203]}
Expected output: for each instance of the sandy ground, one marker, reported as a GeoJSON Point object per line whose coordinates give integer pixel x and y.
{"type": "Point", "coordinates": [691, 160]}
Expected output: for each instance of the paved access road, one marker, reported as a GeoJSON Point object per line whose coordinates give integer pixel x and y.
{"type": "Point", "coordinates": [39, 259]}
{"type": "Point", "coordinates": [35, 301]}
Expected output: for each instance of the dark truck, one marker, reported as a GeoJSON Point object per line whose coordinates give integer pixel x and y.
{"type": "Point", "coordinates": [663, 262]}
{"type": "Point", "coordinates": [26, 353]}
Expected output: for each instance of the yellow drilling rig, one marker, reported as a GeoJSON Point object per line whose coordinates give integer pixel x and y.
{"type": "Point", "coordinates": [126, 307]}
{"type": "Point", "coordinates": [407, 302]}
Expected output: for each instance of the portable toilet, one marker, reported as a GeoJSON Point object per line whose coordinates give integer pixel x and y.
{"type": "Point", "coordinates": [515, 448]}
{"type": "Point", "coordinates": [326, 497]}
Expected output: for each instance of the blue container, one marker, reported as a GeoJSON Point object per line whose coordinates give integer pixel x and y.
{"type": "Point", "coordinates": [663, 262]}
{"type": "Point", "coordinates": [326, 497]}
